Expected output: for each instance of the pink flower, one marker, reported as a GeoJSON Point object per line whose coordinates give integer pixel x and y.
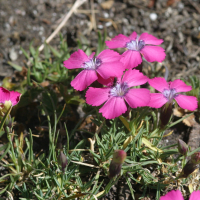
{"type": "Point", "coordinates": [6, 95]}
{"type": "Point", "coordinates": [106, 64]}
{"type": "Point", "coordinates": [136, 45]}
{"type": "Point", "coordinates": [176, 195]}
{"type": "Point", "coordinates": [117, 96]}
{"type": "Point", "coordinates": [170, 91]}
{"type": "Point", "coordinates": [7, 99]}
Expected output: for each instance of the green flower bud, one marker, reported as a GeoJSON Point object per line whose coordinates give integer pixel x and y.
{"type": "Point", "coordinates": [119, 156]}
{"type": "Point", "coordinates": [62, 159]}
{"type": "Point", "coordinates": [182, 147]}
{"type": "Point", "coordinates": [195, 158]}
{"type": "Point", "coordinates": [188, 169]}
{"type": "Point", "coordinates": [165, 114]}
{"type": "Point", "coordinates": [116, 164]}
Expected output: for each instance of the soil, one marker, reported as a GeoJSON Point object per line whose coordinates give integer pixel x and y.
{"type": "Point", "coordinates": [175, 21]}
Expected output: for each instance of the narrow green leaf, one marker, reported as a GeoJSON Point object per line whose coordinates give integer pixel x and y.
{"type": "Point", "coordinates": [46, 51]}
{"type": "Point", "coordinates": [58, 184]}
{"type": "Point", "coordinates": [25, 53]}
{"type": "Point", "coordinates": [1, 133]}
{"type": "Point", "coordinates": [55, 52]}
{"type": "Point", "coordinates": [15, 66]}
{"type": "Point", "coordinates": [130, 187]}
{"type": "Point", "coordinates": [178, 121]}
{"type": "Point", "coordinates": [31, 158]}
{"type": "Point", "coordinates": [4, 147]}
{"type": "Point", "coordinates": [32, 50]}
{"type": "Point", "coordinates": [4, 118]}
{"type": "Point", "coordinates": [29, 77]}
{"type": "Point", "coordinates": [2, 191]}
{"type": "Point", "coordinates": [6, 151]}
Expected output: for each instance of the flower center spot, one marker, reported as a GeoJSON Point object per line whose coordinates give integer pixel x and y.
{"type": "Point", "coordinates": [169, 94]}
{"type": "Point", "coordinates": [92, 64]}
{"type": "Point", "coordinates": [135, 45]}
{"type": "Point", "coordinates": [119, 90]}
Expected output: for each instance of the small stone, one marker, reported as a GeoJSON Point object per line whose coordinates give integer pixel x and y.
{"type": "Point", "coordinates": [168, 12]}
{"type": "Point", "coordinates": [108, 24]}
{"type": "Point", "coordinates": [110, 34]}
{"type": "Point", "coordinates": [153, 16]}
{"type": "Point", "coordinates": [125, 21]}
{"type": "Point", "coordinates": [180, 6]}
{"type": "Point", "coordinates": [13, 55]}
{"type": "Point", "coordinates": [100, 26]}
{"type": "Point", "coordinates": [105, 14]}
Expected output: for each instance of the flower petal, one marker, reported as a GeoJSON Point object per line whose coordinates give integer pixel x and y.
{"type": "Point", "coordinates": [131, 59]}
{"type": "Point", "coordinates": [84, 79]}
{"type": "Point", "coordinates": [109, 56]}
{"type": "Point", "coordinates": [157, 100]}
{"type": "Point", "coordinates": [76, 60]}
{"type": "Point", "coordinates": [150, 39]}
{"type": "Point", "coordinates": [133, 36]}
{"type": "Point", "coordinates": [172, 195]}
{"type": "Point", "coordinates": [180, 86]}
{"type": "Point", "coordinates": [111, 65]}
{"type": "Point", "coordinates": [14, 97]}
{"type": "Point", "coordinates": [134, 78]}
{"type": "Point", "coordinates": [4, 95]}
{"type": "Point", "coordinates": [108, 82]}
{"type": "Point", "coordinates": [97, 96]}
{"type": "Point", "coordinates": [118, 41]}
{"type": "Point", "coordinates": [91, 56]}
{"type": "Point", "coordinates": [114, 69]}
{"type": "Point", "coordinates": [195, 195]}
{"type": "Point", "coordinates": [187, 102]}
{"type": "Point", "coordinates": [137, 97]}
{"type": "Point", "coordinates": [114, 107]}
{"type": "Point", "coordinates": [153, 53]}
{"type": "Point", "coordinates": [159, 84]}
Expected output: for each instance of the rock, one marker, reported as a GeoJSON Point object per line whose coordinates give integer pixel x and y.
{"type": "Point", "coordinates": [153, 16]}
{"type": "Point", "coordinates": [13, 55]}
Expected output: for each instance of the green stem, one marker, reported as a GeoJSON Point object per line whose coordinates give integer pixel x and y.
{"type": "Point", "coordinates": [12, 150]}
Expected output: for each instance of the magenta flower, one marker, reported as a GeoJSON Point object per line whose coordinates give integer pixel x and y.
{"type": "Point", "coordinates": [117, 96]}
{"type": "Point", "coordinates": [107, 64]}
{"type": "Point", "coordinates": [176, 195]}
{"type": "Point", "coordinates": [170, 91]}
{"type": "Point", "coordinates": [7, 99]}
{"type": "Point", "coordinates": [6, 95]}
{"type": "Point", "coordinates": [137, 45]}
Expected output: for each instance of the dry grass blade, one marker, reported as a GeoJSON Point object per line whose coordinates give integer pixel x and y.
{"type": "Point", "coordinates": [65, 19]}
{"type": "Point", "coordinates": [85, 164]}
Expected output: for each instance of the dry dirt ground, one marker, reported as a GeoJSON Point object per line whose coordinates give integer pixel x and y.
{"type": "Point", "coordinates": [175, 21]}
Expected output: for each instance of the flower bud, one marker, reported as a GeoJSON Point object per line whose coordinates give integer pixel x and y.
{"type": "Point", "coordinates": [188, 169]}
{"type": "Point", "coordinates": [195, 158]}
{"type": "Point", "coordinates": [182, 147]}
{"type": "Point", "coordinates": [62, 159]}
{"type": "Point", "coordinates": [119, 156]}
{"type": "Point", "coordinates": [165, 114]}
{"type": "Point", "coordinates": [115, 166]}
{"type": "Point", "coordinates": [9, 123]}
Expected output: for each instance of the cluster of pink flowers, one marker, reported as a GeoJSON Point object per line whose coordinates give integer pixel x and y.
{"type": "Point", "coordinates": [109, 66]}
